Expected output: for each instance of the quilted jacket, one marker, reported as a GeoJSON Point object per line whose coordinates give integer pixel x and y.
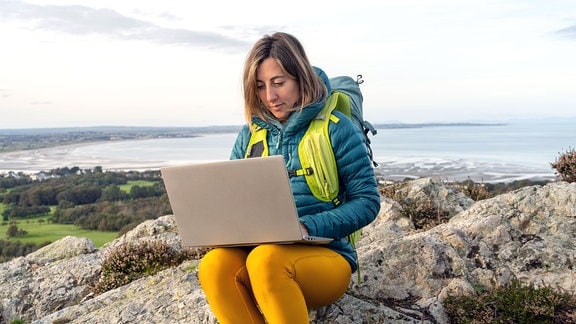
{"type": "Point", "coordinates": [358, 187]}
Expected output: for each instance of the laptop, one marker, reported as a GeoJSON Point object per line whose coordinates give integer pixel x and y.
{"type": "Point", "coordinates": [234, 203]}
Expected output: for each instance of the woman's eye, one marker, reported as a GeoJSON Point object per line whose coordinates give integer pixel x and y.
{"type": "Point", "coordinates": [278, 84]}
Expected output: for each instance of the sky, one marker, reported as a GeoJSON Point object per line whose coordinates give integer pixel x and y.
{"type": "Point", "coordinates": [68, 63]}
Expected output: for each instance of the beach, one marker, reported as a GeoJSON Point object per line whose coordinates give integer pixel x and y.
{"type": "Point", "coordinates": [394, 164]}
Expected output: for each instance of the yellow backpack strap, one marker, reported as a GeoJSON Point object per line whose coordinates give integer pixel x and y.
{"type": "Point", "coordinates": [257, 145]}
{"type": "Point", "coordinates": [317, 156]}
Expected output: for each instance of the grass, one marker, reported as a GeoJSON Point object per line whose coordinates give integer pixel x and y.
{"type": "Point", "coordinates": [132, 183]}
{"type": "Point", "coordinates": [142, 183]}
{"type": "Point", "coordinates": [41, 232]}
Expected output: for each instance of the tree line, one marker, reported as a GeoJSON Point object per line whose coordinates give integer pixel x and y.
{"type": "Point", "coordinates": [10, 249]}
{"type": "Point", "coordinates": [90, 199]}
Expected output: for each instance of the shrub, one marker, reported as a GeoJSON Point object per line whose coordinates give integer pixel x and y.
{"type": "Point", "coordinates": [132, 261]}
{"type": "Point", "coordinates": [476, 191]}
{"type": "Point", "coordinates": [422, 211]}
{"type": "Point", "coordinates": [14, 231]}
{"type": "Point", "coordinates": [425, 211]}
{"type": "Point", "coordinates": [12, 249]}
{"type": "Point", "coordinates": [565, 165]}
{"type": "Point", "coordinates": [514, 303]}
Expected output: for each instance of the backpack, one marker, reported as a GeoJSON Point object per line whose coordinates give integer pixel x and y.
{"type": "Point", "coordinates": [315, 149]}
{"type": "Point", "coordinates": [351, 88]}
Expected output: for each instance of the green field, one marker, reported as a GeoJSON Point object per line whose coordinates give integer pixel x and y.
{"type": "Point", "coordinates": [142, 183]}
{"type": "Point", "coordinates": [41, 232]}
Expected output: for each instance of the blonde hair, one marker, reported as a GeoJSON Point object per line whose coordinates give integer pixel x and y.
{"type": "Point", "coordinates": [290, 54]}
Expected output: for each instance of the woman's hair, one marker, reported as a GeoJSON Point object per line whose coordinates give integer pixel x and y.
{"type": "Point", "coordinates": [290, 54]}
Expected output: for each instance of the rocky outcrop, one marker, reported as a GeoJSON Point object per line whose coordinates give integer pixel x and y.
{"type": "Point", "coordinates": [528, 234]}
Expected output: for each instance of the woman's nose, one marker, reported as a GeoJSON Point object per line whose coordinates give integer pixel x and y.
{"type": "Point", "coordinates": [271, 95]}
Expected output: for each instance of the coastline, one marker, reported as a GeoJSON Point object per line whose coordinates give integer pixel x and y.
{"type": "Point", "coordinates": [90, 155]}
{"type": "Point", "coordinates": [499, 152]}
{"type": "Point", "coordinates": [46, 159]}
{"type": "Point", "coordinates": [485, 174]}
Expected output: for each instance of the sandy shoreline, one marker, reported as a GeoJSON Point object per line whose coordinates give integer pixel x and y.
{"type": "Point", "coordinates": [45, 159]}
{"type": "Point", "coordinates": [487, 174]}
{"type": "Point", "coordinates": [33, 161]}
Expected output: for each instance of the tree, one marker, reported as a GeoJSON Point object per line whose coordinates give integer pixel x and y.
{"type": "Point", "coordinates": [80, 194]}
{"type": "Point", "coordinates": [14, 231]}
{"type": "Point", "coordinates": [113, 193]}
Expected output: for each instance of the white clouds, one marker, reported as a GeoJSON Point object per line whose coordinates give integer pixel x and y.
{"type": "Point", "coordinates": [82, 20]}
{"type": "Point", "coordinates": [569, 32]}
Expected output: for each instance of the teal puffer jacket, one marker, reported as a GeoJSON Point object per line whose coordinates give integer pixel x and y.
{"type": "Point", "coordinates": [358, 188]}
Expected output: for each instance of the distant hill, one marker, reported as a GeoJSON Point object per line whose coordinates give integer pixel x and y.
{"type": "Point", "coordinates": [117, 129]}
{"type": "Point", "coordinates": [37, 138]}
{"type": "Point", "coordinates": [423, 125]}
{"type": "Point", "coordinates": [198, 129]}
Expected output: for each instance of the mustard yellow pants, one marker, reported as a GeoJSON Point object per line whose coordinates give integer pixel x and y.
{"type": "Point", "coordinates": [272, 283]}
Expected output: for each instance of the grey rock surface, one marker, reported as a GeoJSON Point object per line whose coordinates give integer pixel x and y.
{"type": "Point", "coordinates": [527, 234]}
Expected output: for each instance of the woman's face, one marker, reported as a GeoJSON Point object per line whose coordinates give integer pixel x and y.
{"type": "Point", "coordinates": [278, 92]}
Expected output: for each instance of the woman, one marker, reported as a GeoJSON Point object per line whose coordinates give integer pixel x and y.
{"type": "Point", "coordinates": [277, 283]}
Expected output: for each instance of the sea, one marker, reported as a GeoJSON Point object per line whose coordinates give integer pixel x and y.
{"type": "Point", "coordinates": [499, 152]}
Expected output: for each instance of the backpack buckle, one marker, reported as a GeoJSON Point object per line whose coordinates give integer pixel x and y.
{"type": "Point", "coordinates": [302, 172]}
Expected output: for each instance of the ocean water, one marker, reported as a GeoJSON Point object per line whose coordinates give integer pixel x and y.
{"type": "Point", "coordinates": [511, 151]}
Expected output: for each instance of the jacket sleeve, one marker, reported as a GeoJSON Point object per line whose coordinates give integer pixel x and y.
{"type": "Point", "coordinates": [356, 175]}
{"type": "Point", "coordinates": [241, 143]}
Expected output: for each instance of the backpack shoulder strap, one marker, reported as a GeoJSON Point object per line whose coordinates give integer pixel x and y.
{"type": "Point", "coordinates": [257, 145]}
{"type": "Point", "coordinates": [317, 156]}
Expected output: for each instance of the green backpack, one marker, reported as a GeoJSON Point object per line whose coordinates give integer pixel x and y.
{"type": "Point", "coordinates": [315, 149]}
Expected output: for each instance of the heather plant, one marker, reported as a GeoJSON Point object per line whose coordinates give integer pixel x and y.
{"type": "Point", "coordinates": [425, 211]}
{"type": "Point", "coordinates": [422, 210]}
{"type": "Point", "coordinates": [476, 191]}
{"type": "Point", "coordinates": [513, 303]}
{"type": "Point", "coordinates": [132, 261]}
{"type": "Point", "coordinates": [565, 165]}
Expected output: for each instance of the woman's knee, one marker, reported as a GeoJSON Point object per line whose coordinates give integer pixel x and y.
{"type": "Point", "coordinates": [267, 258]}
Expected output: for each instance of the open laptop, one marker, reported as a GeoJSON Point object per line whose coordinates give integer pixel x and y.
{"type": "Point", "coordinates": [234, 203]}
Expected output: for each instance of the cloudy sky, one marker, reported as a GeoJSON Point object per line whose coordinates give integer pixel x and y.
{"type": "Point", "coordinates": [177, 63]}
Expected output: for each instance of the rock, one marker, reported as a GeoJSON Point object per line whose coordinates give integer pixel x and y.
{"type": "Point", "coordinates": [65, 248]}
{"type": "Point", "coordinates": [171, 296]}
{"type": "Point", "coordinates": [527, 234]}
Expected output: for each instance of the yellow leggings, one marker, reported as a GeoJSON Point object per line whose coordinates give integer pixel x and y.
{"type": "Point", "coordinates": [270, 282]}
